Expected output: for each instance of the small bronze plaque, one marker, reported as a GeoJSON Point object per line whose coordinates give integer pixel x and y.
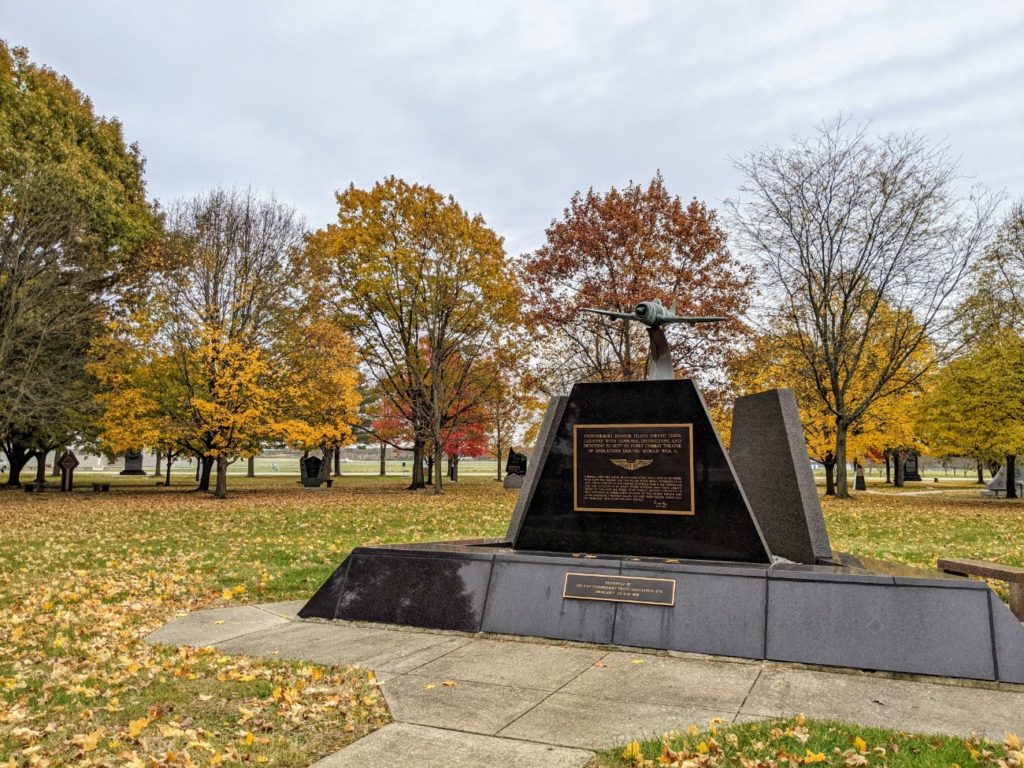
{"type": "Point", "coordinates": [620, 589]}
{"type": "Point", "coordinates": [641, 468]}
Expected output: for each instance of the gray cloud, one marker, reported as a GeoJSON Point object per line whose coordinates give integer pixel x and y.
{"type": "Point", "coordinates": [513, 106]}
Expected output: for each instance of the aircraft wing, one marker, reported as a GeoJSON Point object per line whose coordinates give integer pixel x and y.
{"type": "Point", "coordinates": [620, 315]}
{"type": "Point", "coordinates": [692, 320]}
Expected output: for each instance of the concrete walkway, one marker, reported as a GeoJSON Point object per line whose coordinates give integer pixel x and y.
{"type": "Point", "coordinates": [540, 704]}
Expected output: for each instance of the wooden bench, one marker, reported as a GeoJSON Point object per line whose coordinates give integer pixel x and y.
{"type": "Point", "coordinates": [1012, 575]}
{"type": "Point", "coordinates": [100, 487]}
{"type": "Point", "coordinates": [35, 487]}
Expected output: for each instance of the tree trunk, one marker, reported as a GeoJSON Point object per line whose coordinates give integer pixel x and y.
{"type": "Point", "coordinates": [437, 467]}
{"type": "Point", "coordinates": [450, 470]}
{"type": "Point", "coordinates": [57, 453]}
{"type": "Point", "coordinates": [888, 467]}
{"type": "Point", "coordinates": [497, 445]}
{"type": "Point", "coordinates": [18, 459]}
{"type": "Point", "coordinates": [897, 460]}
{"type": "Point", "coordinates": [842, 487]}
{"type": "Point", "coordinates": [1011, 476]}
{"type": "Point", "coordinates": [337, 462]}
{"type": "Point", "coordinates": [830, 479]}
{"type": "Point", "coordinates": [383, 459]}
{"type": "Point", "coordinates": [981, 473]}
{"type": "Point", "coordinates": [251, 470]}
{"type": "Point", "coordinates": [157, 472]}
{"type": "Point", "coordinates": [325, 465]}
{"type": "Point", "coordinates": [167, 477]}
{"type": "Point", "coordinates": [430, 470]}
{"type": "Point", "coordinates": [455, 470]}
{"type": "Point", "coordinates": [417, 466]}
{"type": "Point", "coordinates": [206, 466]}
{"type": "Point", "coordinates": [221, 491]}
{"type": "Point", "coordinates": [41, 466]}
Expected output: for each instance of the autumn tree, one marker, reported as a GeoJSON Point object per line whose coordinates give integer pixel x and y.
{"type": "Point", "coordinates": [508, 397]}
{"type": "Point", "coordinates": [850, 232]}
{"type": "Point", "coordinates": [423, 288]}
{"type": "Point", "coordinates": [73, 222]}
{"type": "Point", "coordinates": [316, 387]}
{"type": "Point", "coordinates": [210, 332]}
{"type": "Point", "coordinates": [614, 250]}
{"type": "Point", "coordinates": [975, 408]}
{"type": "Point", "coordinates": [774, 360]}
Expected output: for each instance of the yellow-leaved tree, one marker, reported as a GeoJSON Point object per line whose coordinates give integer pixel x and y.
{"type": "Point", "coordinates": [423, 287]}
{"type": "Point", "coordinates": [221, 358]}
{"type": "Point", "coordinates": [317, 396]}
{"type": "Point", "coordinates": [886, 422]}
{"type": "Point", "coordinates": [975, 408]}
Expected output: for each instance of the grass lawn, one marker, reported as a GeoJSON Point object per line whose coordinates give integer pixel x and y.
{"type": "Point", "coordinates": [84, 577]}
{"type": "Point", "coordinates": [796, 742]}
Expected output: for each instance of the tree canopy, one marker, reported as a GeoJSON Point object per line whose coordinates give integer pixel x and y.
{"type": "Point", "coordinates": [614, 250]}
{"type": "Point", "coordinates": [74, 226]}
{"type": "Point", "coordinates": [863, 243]}
{"type": "Point", "coordinates": [424, 289]}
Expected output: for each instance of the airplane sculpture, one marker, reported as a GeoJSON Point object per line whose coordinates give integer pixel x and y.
{"type": "Point", "coordinates": [655, 316]}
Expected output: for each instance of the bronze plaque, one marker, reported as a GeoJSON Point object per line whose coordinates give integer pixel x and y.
{"type": "Point", "coordinates": [620, 589]}
{"type": "Point", "coordinates": [643, 468]}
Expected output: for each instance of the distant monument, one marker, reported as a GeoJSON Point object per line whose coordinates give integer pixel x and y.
{"type": "Point", "coordinates": [310, 468]}
{"type": "Point", "coordinates": [133, 463]}
{"type": "Point", "coordinates": [910, 468]}
{"type": "Point", "coordinates": [68, 462]}
{"type": "Point", "coordinates": [635, 527]}
{"type": "Point", "coordinates": [515, 469]}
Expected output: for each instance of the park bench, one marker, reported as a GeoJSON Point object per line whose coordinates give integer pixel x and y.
{"type": "Point", "coordinates": [100, 487]}
{"type": "Point", "coordinates": [1012, 575]}
{"type": "Point", "coordinates": [35, 487]}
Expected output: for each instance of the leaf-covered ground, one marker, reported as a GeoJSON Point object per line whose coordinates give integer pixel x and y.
{"type": "Point", "coordinates": [84, 577]}
{"type": "Point", "coordinates": [797, 742]}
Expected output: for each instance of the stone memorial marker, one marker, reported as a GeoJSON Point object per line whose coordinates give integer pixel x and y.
{"type": "Point", "coordinates": [516, 463]}
{"type": "Point", "coordinates": [310, 466]}
{"type": "Point", "coordinates": [770, 456]}
{"type": "Point", "coordinates": [133, 463]}
{"type": "Point", "coordinates": [634, 527]}
{"type": "Point", "coordinates": [910, 470]}
{"type": "Point", "coordinates": [67, 463]}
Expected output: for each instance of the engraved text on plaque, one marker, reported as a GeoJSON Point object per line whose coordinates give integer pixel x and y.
{"type": "Point", "coordinates": [645, 468]}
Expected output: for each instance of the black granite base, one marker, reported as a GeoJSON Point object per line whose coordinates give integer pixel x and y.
{"type": "Point", "coordinates": [850, 612]}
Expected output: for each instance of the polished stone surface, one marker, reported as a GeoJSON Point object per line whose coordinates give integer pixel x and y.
{"type": "Point", "coordinates": [545, 439]}
{"type": "Point", "coordinates": [848, 612]}
{"type": "Point", "coordinates": [525, 598]}
{"type": "Point", "coordinates": [421, 589]}
{"type": "Point", "coordinates": [722, 527]}
{"type": "Point", "coordinates": [769, 453]}
{"type": "Point", "coordinates": [714, 613]}
{"type": "Point", "coordinates": [864, 622]}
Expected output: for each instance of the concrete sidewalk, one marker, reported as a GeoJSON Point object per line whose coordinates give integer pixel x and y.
{"type": "Point", "coordinates": [537, 703]}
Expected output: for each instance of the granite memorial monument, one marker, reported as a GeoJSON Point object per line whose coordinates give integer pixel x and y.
{"type": "Point", "coordinates": [635, 527]}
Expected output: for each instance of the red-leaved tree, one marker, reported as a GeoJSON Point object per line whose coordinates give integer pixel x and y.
{"type": "Point", "coordinates": [614, 250]}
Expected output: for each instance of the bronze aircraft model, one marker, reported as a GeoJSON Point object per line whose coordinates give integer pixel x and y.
{"type": "Point", "coordinates": [655, 316]}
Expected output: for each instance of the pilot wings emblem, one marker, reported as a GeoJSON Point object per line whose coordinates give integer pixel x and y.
{"type": "Point", "coordinates": [632, 464]}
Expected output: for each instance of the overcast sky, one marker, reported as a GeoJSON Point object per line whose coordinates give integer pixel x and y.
{"type": "Point", "coordinates": [511, 107]}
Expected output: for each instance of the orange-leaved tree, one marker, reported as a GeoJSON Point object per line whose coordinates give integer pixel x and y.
{"type": "Point", "coordinates": [614, 250]}
{"type": "Point", "coordinates": [424, 289]}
